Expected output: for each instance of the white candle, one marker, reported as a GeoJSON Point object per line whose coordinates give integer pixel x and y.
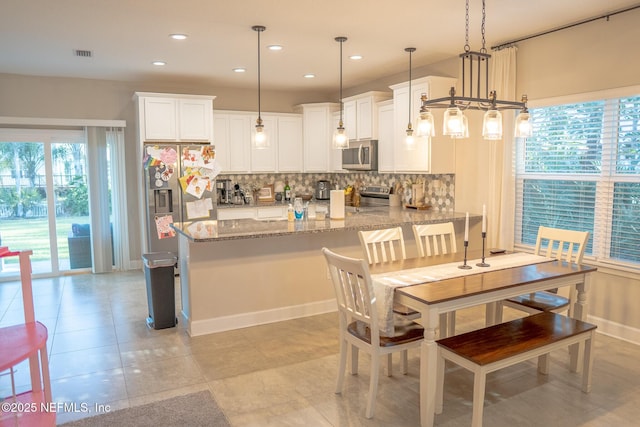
{"type": "Point", "coordinates": [466, 228]}
{"type": "Point", "coordinates": [484, 218]}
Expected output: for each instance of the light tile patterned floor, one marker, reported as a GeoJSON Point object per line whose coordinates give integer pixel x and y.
{"type": "Point", "coordinates": [283, 374]}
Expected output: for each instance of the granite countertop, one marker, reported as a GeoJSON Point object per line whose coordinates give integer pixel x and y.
{"type": "Point", "coordinates": [365, 219]}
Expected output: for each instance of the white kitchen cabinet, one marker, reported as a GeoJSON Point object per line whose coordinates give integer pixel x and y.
{"type": "Point", "coordinates": [236, 213]}
{"type": "Point", "coordinates": [317, 135]}
{"type": "Point", "coordinates": [271, 212]}
{"type": "Point", "coordinates": [349, 118]}
{"type": "Point", "coordinates": [232, 139]}
{"type": "Point", "coordinates": [430, 155]}
{"type": "Point", "coordinates": [289, 143]}
{"type": "Point", "coordinates": [195, 120]}
{"type": "Point", "coordinates": [360, 115]}
{"type": "Point", "coordinates": [233, 132]}
{"type": "Point", "coordinates": [253, 212]}
{"type": "Point", "coordinates": [179, 118]}
{"type": "Point", "coordinates": [386, 146]}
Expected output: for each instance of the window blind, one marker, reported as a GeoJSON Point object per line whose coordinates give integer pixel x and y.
{"type": "Point", "coordinates": [581, 171]}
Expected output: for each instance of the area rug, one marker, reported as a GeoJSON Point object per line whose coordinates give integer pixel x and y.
{"type": "Point", "coordinates": [193, 410]}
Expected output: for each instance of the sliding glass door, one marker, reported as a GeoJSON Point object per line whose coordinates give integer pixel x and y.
{"type": "Point", "coordinates": [44, 200]}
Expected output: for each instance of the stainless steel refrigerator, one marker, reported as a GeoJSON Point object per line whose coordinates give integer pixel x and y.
{"type": "Point", "coordinates": [180, 187]}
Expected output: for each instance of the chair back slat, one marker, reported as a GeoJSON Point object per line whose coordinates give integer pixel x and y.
{"type": "Point", "coordinates": [383, 245]}
{"type": "Point", "coordinates": [563, 245]}
{"type": "Point", "coordinates": [354, 290]}
{"type": "Point", "coordinates": [431, 239]}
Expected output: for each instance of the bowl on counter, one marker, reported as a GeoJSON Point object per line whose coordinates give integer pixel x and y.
{"type": "Point", "coordinates": [305, 197]}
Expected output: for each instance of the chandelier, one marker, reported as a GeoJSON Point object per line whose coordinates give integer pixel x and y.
{"type": "Point", "coordinates": [475, 96]}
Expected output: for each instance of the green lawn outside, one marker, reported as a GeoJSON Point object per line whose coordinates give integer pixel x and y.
{"type": "Point", "coordinates": [33, 233]}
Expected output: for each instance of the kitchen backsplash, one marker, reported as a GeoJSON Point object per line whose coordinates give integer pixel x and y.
{"type": "Point", "coordinates": [439, 189]}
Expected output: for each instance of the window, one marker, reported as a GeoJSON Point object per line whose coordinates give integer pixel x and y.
{"type": "Point", "coordinates": [581, 171]}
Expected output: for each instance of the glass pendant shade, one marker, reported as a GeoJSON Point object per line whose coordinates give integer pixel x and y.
{"type": "Point", "coordinates": [409, 140]}
{"type": "Point", "coordinates": [465, 129]}
{"type": "Point", "coordinates": [260, 139]}
{"type": "Point", "coordinates": [492, 125]}
{"type": "Point", "coordinates": [453, 123]}
{"type": "Point", "coordinates": [425, 125]}
{"type": "Point", "coordinates": [523, 128]}
{"type": "Point", "coordinates": [340, 138]}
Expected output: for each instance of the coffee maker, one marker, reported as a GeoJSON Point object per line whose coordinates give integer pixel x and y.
{"type": "Point", "coordinates": [323, 189]}
{"type": "Point", "coordinates": [224, 190]}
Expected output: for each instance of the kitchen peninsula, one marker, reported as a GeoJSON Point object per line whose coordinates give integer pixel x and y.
{"type": "Point", "coordinates": [240, 273]}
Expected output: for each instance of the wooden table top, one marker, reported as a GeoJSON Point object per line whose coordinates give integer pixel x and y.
{"type": "Point", "coordinates": [481, 282]}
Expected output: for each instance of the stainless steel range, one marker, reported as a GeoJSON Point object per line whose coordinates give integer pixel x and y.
{"type": "Point", "coordinates": [375, 195]}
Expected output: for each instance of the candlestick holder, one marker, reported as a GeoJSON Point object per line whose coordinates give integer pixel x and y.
{"type": "Point", "coordinates": [465, 266]}
{"type": "Point", "coordinates": [482, 263]}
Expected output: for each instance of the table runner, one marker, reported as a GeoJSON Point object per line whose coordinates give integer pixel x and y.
{"type": "Point", "coordinates": [384, 284]}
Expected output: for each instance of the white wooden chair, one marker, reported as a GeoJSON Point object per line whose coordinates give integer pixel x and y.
{"type": "Point", "coordinates": [359, 322]}
{"type": "Point", "coordinates": [383, 245]}
{"type": "Point", "coordinates": [431, 239]}
{"type": "Point", "coordinates": [436, 239]}
{"type": "Point", "coordinates": [563, 245]}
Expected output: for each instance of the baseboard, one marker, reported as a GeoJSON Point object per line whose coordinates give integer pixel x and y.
{"type": "Point", "coordinates": [616, 330]}
{"type": "Point", "coordinates": [245, 320]}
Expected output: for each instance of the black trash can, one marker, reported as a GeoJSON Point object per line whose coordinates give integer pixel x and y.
{"type": "Point", "coordinates": [159, 275]}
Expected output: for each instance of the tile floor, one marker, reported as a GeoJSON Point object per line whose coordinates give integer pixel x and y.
{"type": "Point", "coordinates": [283, 374]}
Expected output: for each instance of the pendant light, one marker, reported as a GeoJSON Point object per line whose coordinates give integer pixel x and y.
{"type": "Point", "coordinates": [424, 124]}
{"type": "Point", "coordinates": [260, 140]}
{"type": "Point", "coordinates": [409, 140]}
{"type": "Point", "coordinates": [340, 138]}
{"type": "Point", "coordinates": [523, 128]}
{"type": "Point", "coordinates": [454, 122]}
{"type": "Point", "coordinates": [492, 121]}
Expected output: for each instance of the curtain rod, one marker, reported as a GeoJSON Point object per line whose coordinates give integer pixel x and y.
{"type": "Point", "coordinates": [575, 24]}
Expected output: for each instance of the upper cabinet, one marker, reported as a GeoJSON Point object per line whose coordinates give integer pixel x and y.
{"type": "Point", "coordinates": [233, 131]}
{"type": "Point", "coordinates": [172, 117]}
{"type": "Point", "coordinates": [317, 135]}
{"type": "Point", "coordinates": [360, 114]}
{"type": "Point", "coordinates": [232, 139]}
{"type": "Point", "coordinates": [386, 136]}
{"type": "Point", "coordinates": [430, 155]}
{"type": "Point", "coordinates": [290, 143]}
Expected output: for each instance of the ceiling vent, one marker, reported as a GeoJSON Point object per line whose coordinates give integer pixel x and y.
{"type": "Point", "coordinates": [83, 53]}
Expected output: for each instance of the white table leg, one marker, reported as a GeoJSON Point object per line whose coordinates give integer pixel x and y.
{"type": "Point", "coordinates": [579, 312]}
{"type": "Point", "coordinates": [428, 369]}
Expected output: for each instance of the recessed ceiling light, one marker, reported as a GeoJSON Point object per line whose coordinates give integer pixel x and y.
{"type": "Point", "coordinates": [274, 47]}
{"type": "Point", "coordinates": [356, 57]}
{"type": "Point", "coordinates": [309, 76]}
{"type": "Point", "coordinates": [159, 63]}
{"type": "Point", "coordinates": [178, 36]}
{"type": "Point", "coordinates": [239, 70]}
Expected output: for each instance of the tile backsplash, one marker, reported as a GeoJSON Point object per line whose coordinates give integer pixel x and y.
{"type": "Point", "coordinates": [439, 188]}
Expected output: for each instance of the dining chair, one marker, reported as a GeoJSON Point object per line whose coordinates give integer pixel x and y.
{"type": "Point", "coordinates": [556, 243]}
{"type": "Point", "coordinates": [436, 239]}
{"type": "Point", "coordinates": [382, 245]}
{"type": "Point", "coordinates": [359, 327]}
{"type": "Point", "coordinates": [431, 239]}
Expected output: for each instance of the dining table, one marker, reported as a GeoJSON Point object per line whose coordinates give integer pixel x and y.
{"type": "Point", "coordinates": [436, 285]}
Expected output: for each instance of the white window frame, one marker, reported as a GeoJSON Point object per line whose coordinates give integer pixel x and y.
{"type": "Point", "coordinates": [601, 242]}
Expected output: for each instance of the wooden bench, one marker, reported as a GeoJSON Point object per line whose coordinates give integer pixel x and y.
{"type": "Point", "coordinates": [495, 347]}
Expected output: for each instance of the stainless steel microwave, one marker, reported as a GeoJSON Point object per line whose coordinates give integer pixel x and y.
{"type": "Point", "coordinates": [361, 156]}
